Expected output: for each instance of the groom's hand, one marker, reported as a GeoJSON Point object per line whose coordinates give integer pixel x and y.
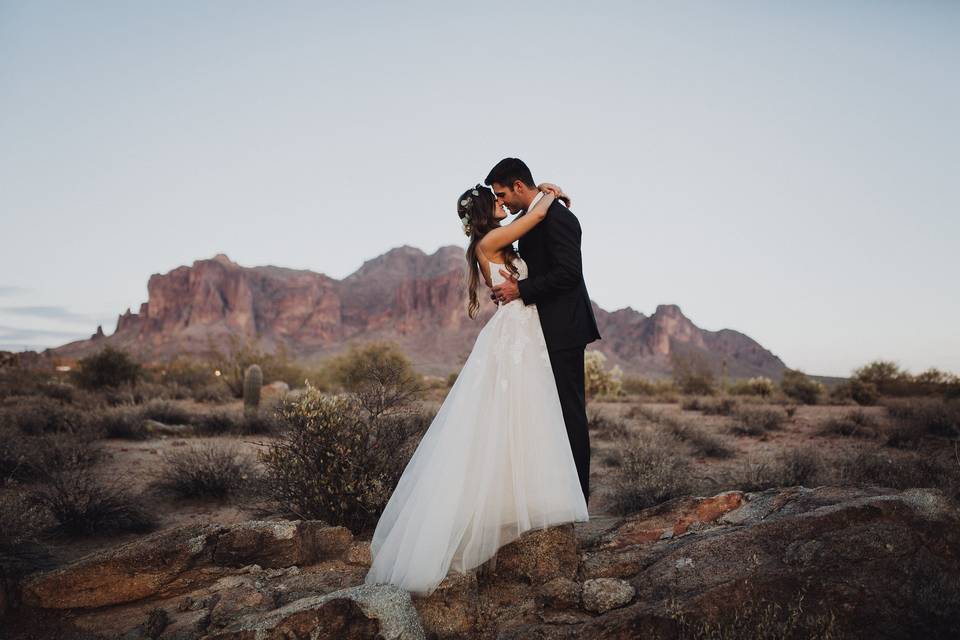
{"type": "Point", "coordinates": [506, 291]}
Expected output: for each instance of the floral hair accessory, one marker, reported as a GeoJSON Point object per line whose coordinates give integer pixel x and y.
{"type": "Point", "coordinates": [467, 204]}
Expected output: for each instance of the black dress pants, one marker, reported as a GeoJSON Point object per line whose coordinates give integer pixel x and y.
{"type": "Point", "coordinates": [568, 371]}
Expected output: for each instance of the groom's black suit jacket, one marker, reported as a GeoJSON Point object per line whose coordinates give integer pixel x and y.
{"type": "Point", "coordinates": [555, 280]}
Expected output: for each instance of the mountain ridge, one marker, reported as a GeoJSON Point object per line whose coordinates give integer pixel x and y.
{"type": "Point", "coordinates": [405, 295]}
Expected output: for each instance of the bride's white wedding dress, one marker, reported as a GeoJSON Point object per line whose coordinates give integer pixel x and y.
{"type": "Point", "coordinates": [494, 463]}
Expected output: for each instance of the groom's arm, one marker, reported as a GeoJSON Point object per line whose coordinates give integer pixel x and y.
{"type": "Point", "coordinates": [563, 240]}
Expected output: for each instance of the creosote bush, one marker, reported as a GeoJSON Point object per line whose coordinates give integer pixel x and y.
{"type": "Point", "coordinates": [798, 386]}
{"type": "Point", "coordinates": [204, 472]}
{"type": "Point", "coordinates": [652, 469]}
{"type": "Point", "coordinates": [108, 367]}
{"type": "Point", "coordinates": [750, 421]}
{"type": "Point", "coordinates": [339, 458]}
{"type": "Point", "coordinates": [82, 505]}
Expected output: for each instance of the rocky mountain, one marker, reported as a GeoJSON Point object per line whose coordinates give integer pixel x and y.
{"type": "Point", "coordinates": [405, 295]}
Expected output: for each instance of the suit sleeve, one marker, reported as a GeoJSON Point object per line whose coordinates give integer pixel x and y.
{"type": "Point", "coordinates": [566, 271]}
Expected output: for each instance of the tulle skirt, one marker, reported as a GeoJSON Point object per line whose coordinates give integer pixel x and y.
{"type": "Point", "coordinates": [494, 463]}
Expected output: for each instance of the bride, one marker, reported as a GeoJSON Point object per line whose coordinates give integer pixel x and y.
{"type": "Point", "coordinates": [495, 462]}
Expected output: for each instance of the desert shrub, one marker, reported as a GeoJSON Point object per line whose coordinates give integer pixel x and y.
{"type": "Point", "coordinates": [599, 381]}
{"type": "Point", "coordinates": [237, 355]}
{"type": "Point", "coordinates": [797, 385]}
{"type": "Point", "coordinates": [108, 367]}
{"type": "Point", "coordinates": [337, 458]}
{"type": "Point", "coordinates": [908, 435]}
{"type": "Point", "coordinates": [217, 423]}
{"type": "Point", "coordinates": [864, 393]}
{"type": "Point", "coordinates": [186, 373]}
{"type": "Point", "coordinates": [29, 458]}
{"type": "Point", "coordinates": [82, 505]}
{"type": "Point", "coordinates": [757, 386]}
{"type": "Point", "coordinates": [123, 422]}
{"type": "Point", "coordinates": [21, 381]}
{"type": "Point", "coordinates": [936, 417]}
{"type": "Point", "coordinates": [260, 424]}
{"type": "Point", "coordinates": [755, 422]}
{"type": "Point", "coordinates": [703, 443]}
{"type": "Point", "coordinates": [378, 375]}
{"type": "Point", "coordinates": [166, 412]}
{"type": "Point", "coordinates": [605, 427]}
{"type": "Point", "coordinates": [204, 472]}
{"type": "Point", "coordinates": [788, 468]}
{"type": "Point", "coordinates": [38, 414]}
{"type": "Point", "coordinates": [692, 374]}
{"type": "Point", "coordinates": [639, 411]}
{"type": "Point", "coordinates": [898, 470]}
{"type": "Point", "coordinates": [711, 406]}
{"type": "Point", "coordinates": [856, 424]}
{"type": "Point", "coordinates": [700, 441]}
{"type": "Point", "coordinates": [652, 470]}
{"type": "Point", "coordinates": [636, 385]}
{"type": "Point", "coordinates": [214, 393]}
{"type": "Point", "coordinates": [22, 520]}
{"type": "Point", "coordinates": [888, 379]}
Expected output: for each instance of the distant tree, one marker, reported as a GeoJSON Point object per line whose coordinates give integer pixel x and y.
{"type": "Point", "coordinates": [692, 373]}
{"type": "Point", "coordinates": [107, 368]}
{"type": "Point", "coordinates": [797, 385]}
{"type": "Point", "coordinates": [379, 374]}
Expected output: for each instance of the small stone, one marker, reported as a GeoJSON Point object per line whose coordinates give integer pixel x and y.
{"type": "Point", "coordinates": [559, 593]}
{"type": "Point", "coordinates": [603, 594]}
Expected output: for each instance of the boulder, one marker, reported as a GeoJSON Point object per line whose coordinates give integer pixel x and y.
{"type": "Point", "coordinates": [603, 594]}
{"type": "Point", "coordinates": [374, 612]}
{"type": "Point", "coordinates": [169, 561]}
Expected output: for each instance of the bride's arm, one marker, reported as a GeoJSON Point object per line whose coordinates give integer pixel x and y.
{"type": "Point", "coordinates": [502, 236]}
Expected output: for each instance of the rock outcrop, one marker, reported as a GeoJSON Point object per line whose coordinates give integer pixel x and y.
{"type": "Point", "coordinates": [866, 563]}
{"type": "Point", "coordinates": [405, 295]}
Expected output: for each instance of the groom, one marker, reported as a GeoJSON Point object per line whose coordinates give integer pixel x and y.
{"type": "Point", "coordinates": [555, 284]}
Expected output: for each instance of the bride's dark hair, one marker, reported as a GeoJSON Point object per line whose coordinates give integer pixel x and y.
{"type": "Point", "coordinates": [475, 210]}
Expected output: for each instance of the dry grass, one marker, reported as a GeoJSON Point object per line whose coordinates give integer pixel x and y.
{"type": "Point", "coordinates": [204, 472]}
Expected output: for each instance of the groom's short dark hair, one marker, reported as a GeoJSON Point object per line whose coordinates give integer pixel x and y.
{"type": "Point", "coordinates": [508, 171]}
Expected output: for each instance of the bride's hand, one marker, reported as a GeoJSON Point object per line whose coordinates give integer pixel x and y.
{"type": "Point", "coordinates": [555, 191]}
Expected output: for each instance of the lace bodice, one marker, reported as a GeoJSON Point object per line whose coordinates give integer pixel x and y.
{"type": "Point", "coordinates": [495, 276]}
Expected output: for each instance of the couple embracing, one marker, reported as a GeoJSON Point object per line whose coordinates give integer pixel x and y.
{"type": "Point", "coordinates": [508, 450]}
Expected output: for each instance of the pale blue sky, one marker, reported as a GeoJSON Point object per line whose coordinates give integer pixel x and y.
{"type": "Point", "coordinates": [788, 170]}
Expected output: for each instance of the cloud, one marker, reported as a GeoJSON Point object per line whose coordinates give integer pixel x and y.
{"type": "Point", "coordinates": [12, 290]}
{"type": "Point", "coordinates": [20, 335]}
{"type": "Point", "coordinates": [49, 313]}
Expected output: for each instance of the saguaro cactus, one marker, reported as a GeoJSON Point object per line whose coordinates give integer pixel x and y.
{"type": "Point", "coordinates": [252, 384]}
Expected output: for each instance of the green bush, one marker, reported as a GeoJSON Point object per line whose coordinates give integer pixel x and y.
{"type": "Point", "coordinates": [755, 422]}
{"type": "Point", "coordinates": [692, 374]}
{"type": "Point", "coordinates": [378, 375]}
{"type": "Point", "coordinates": [338, 458]}
{"type": "Point", "coordinates": [123, 422]}
{"type": "Point", "coordinates": [936, 417]}
{"type": "Point", "coordinates": [855, 424]}
{"type": "Point", "coordinates": [599, 381]}
{"type": "Point", "coordinates": [108, 368]}
{"type": "Point", "coordinates": [232, 361]}
{"type": "Point", "coordinates": [759, 386]}
{"type": "Point", "coordinates": [637, 386]}
{"type": "Point", "coordinates": [796, 385]}
{"type": "Point", "coordinates": [37, 415]}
